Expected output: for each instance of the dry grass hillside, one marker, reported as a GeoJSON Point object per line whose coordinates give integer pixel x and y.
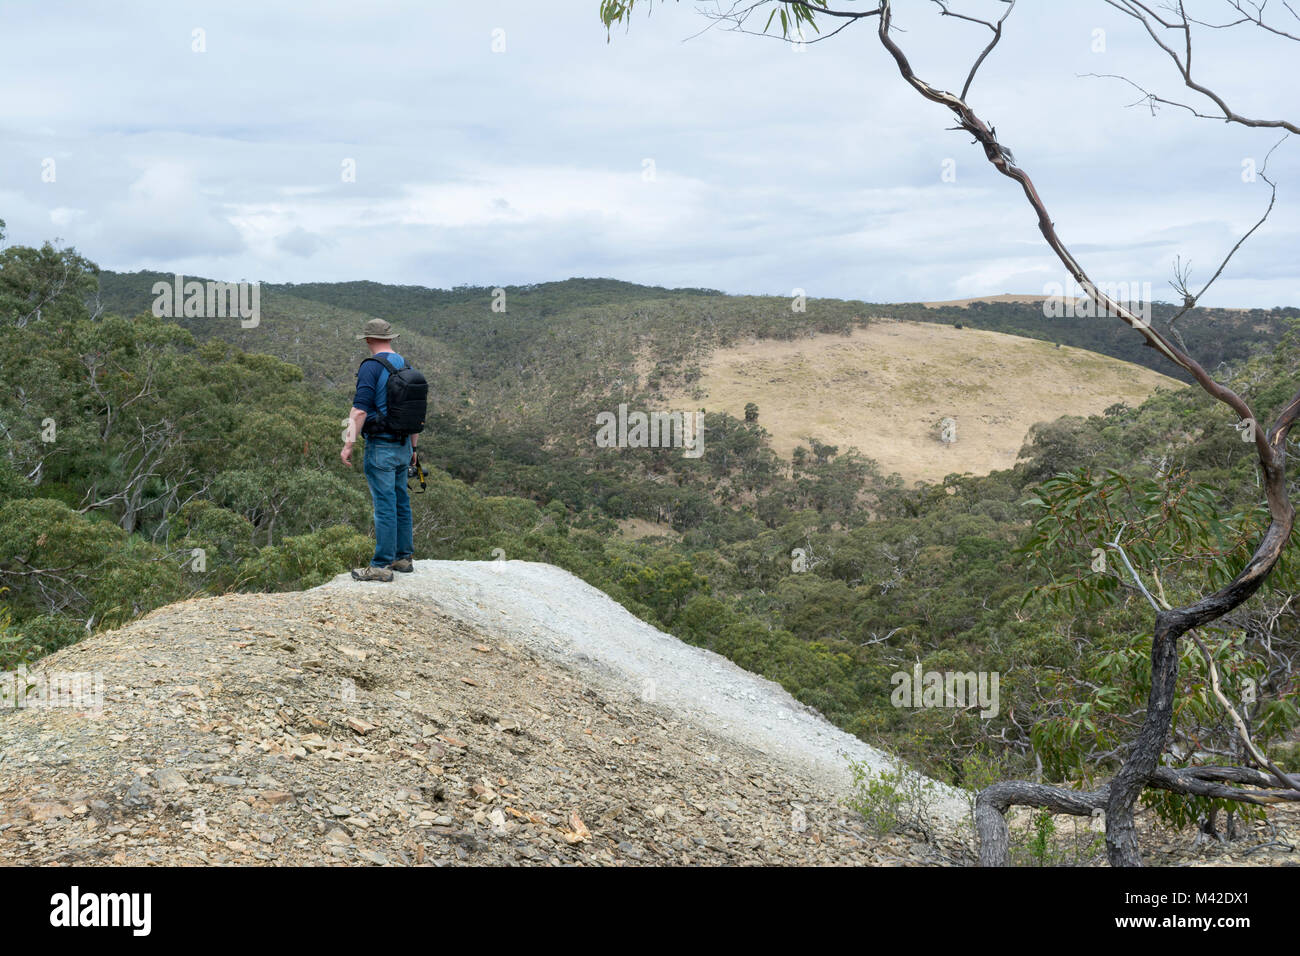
{"type": "Point", "coordinates": [885, 388]}
{"type": "Point", "coordinates": [1004, 297]}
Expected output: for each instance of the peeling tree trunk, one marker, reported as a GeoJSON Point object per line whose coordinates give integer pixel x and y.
{"type": "Point", "coordinates": [992, 803]}
{"type": "Point", "coordinates": [1121, 837]}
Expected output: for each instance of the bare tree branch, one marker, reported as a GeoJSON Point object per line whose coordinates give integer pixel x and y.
{"type": "Point", "coordinates": [1181, 282]}
{"type": "Point", "coordinates": [996, 27]}
{"type": "Point", "coordinates": [1153, 23]}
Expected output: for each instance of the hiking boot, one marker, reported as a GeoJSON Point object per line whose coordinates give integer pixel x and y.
{"type": "Point", "coordinates": [404, 565]}
{"type": "Point", "coordinates": [372, 574]}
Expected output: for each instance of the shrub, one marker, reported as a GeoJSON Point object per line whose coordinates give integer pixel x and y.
{"type": "Point", "coordinates": [891, 800]}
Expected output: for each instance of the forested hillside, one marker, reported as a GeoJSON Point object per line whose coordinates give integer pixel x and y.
{"type": "Point", "coordinates": [672, 324]}
{"type": "Point", "coordinates": [147, 460]}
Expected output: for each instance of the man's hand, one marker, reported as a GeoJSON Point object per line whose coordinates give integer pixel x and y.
{"type": "Point", "coordinates": [355, 420]}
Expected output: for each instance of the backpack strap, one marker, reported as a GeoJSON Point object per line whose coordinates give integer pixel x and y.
{"type": "Point", "coordinates": [382, 361]}
{"type": "Point", "coordinates": [378, 426]}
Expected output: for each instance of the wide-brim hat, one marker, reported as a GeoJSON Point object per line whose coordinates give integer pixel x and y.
{"type": "Point", "coordinates": [378, 329]}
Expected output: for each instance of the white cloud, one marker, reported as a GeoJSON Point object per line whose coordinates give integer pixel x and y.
{"type": "Point", "coordinates": [773, 170]}
{"type": "Point", "coordinates": [166, 213]}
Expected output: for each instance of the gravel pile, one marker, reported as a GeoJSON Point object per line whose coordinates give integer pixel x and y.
{"type": "Point", "coordinates": [365, 728]}
{"type": "Point", "coordinates": [562, 617]}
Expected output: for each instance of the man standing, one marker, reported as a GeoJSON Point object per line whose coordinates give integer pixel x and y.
{"type": "Point", "coordinates": [387, 457]}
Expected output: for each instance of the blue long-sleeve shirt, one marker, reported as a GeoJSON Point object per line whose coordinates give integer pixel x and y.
{"type": "Point", "coordinates": [372, 386]}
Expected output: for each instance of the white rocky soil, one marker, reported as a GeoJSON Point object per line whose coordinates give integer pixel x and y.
{"type": "Point", "coordinates": [565, 619]}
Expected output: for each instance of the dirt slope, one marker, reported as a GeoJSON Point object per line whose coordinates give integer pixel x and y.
{"type": "Point", "coordinates": [560, 616]}
{"type": "Point", "coordinates": [362, 727]}
{"type": "Point", "coordinates": [884, 389]}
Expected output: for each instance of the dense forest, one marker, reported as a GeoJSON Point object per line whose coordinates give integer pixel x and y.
{"type": "Point", "coordinates": [147, 460]}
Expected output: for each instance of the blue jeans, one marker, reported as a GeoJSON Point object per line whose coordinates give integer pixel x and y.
{"type": "Point", "coordinates": [385, 465]}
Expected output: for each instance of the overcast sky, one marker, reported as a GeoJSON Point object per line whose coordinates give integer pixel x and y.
{"type": "Point", "coordinates": [772, 169]}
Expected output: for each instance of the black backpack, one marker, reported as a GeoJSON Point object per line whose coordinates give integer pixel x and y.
{"type": "Point", "coordinates": [408, 402]}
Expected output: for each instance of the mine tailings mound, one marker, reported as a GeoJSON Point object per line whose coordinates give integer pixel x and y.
{"type": "Point", "coordinates": [470, 712]}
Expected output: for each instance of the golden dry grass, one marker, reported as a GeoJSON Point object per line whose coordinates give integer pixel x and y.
{"type": "Point", "coordinates": [1004, 297]}
{"type": "Point", "coordinates": [882, 389]}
